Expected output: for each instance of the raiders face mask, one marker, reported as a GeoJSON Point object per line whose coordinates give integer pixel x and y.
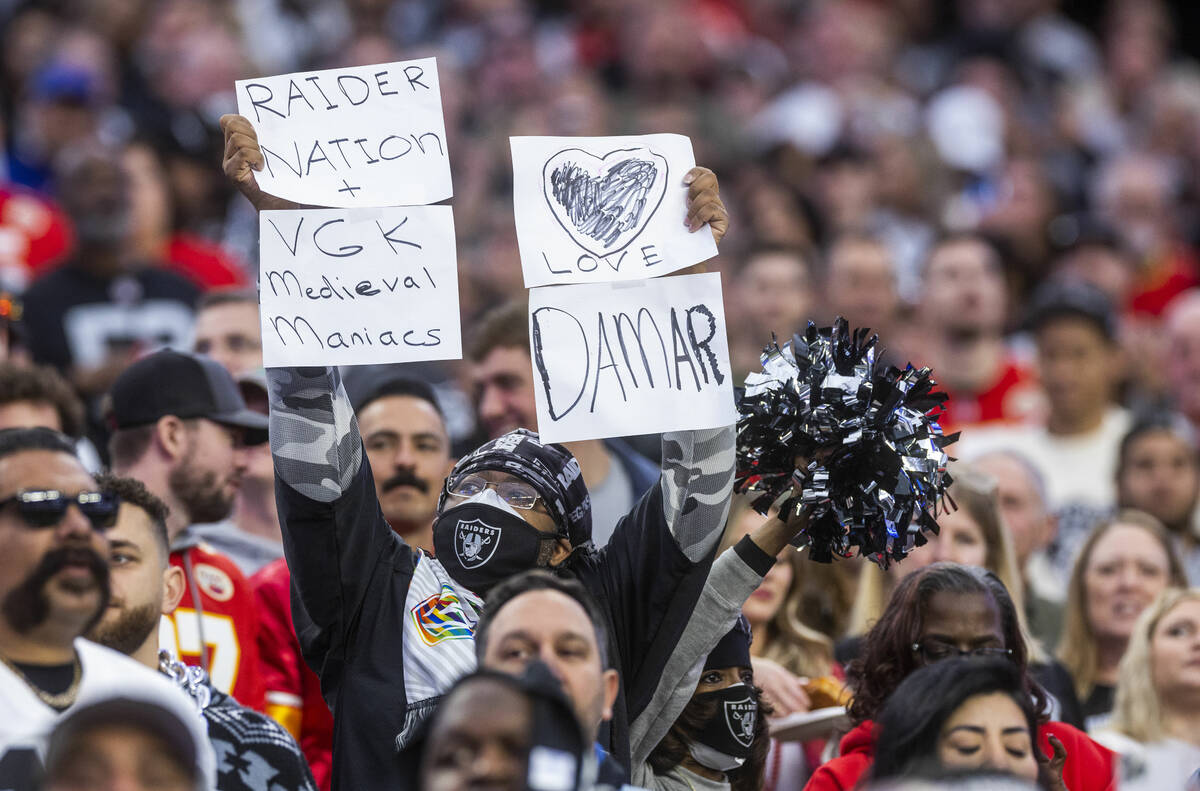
{"type": "Point", "coordinates": [724, 742]}
{"type": "Point", "coordinates": [482, 541]}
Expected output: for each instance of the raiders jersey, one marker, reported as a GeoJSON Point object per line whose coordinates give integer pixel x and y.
{"type": "Point", "coordinates": [26, 722]}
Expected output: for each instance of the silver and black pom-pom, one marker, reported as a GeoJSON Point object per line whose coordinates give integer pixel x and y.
{"type": "Point", "coordinates": [871, 455]}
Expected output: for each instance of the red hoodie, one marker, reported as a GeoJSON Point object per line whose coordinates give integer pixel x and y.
{"type": "Point", "coordinates": [1089, 766]}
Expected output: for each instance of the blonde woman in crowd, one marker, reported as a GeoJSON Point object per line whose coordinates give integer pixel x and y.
{"type": "Point", "coordinates": [1156, 718]}
{"type": "Point", "coordinates": [1123, 564]}
{"type": "Point", "coordinates": [974, 534]}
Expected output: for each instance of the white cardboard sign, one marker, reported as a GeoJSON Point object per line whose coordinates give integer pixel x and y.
{"type": "Point", "coordinates": [360, 136]}
{"type": "Point", "coordinates": [613, 359]}
{"type": "Point", "coordinates": [599, 209]}
{"type": "Point", "coordinates": [358, 286]}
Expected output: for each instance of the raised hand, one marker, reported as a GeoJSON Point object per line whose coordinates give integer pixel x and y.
{"type": "Point", "coordinates": [704, 203]}
{"type": "Point", "coordinates": [242, 157]}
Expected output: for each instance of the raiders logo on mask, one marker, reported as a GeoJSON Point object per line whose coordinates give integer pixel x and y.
{"type": "Point", "coordinates": [740, 716]}
{"type": "Point", "coordinates": [475, 542]}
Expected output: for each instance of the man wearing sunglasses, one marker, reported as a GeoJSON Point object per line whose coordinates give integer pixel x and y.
{"type": "Point", "coordinates": [390, 630]}
{"type": "Point", "coordinates": [181, 428]}
{"type": "Point", "coordinates": [54, 586]}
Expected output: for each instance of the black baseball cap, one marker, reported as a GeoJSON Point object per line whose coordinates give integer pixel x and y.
{"type": "Point", "coordinates": [187, 386]}
{"type": "Point", "coordinates": [1074, 299]}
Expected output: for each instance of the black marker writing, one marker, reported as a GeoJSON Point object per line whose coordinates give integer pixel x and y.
{"type": "Point", "coordinates": [604, 372]}
{"type": "Point", "coordinates": [604, 206]}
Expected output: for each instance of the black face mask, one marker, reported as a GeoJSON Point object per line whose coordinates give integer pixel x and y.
{"type": "Point", "coordinates": [481, 543]}
{"type": "Point", "coordinates": [724, 742]}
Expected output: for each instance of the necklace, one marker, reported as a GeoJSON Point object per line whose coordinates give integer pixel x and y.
{"type": "Point", "coordinates": [60, 701]}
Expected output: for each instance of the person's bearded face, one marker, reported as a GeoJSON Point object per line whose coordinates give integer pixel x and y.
{"type": "Point", "coordinates": [28, 605]}
{"type": "Point", "coordinates": [128, 628]}
{"type": "Point", "coordinates": [206, 490]}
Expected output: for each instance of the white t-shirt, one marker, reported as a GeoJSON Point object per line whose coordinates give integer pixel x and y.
{"type": "Point", "coordinates": [1078, 470]}
{"type": "Point", "coordinates": [26, 722]}
{"type": "Point", "coordinates": [1150, 766]}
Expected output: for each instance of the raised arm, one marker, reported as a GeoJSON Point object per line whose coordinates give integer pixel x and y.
{"type": "Point", "coordinates": [314, 437]}
{"type": "Point", "coordinates": [243, 157]}
{"type": "Point", "coordinates": [697, 480]}
{"type": "Point", "coordinates": [697, 466]}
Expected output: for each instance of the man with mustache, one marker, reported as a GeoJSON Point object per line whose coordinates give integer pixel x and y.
{"type": "Point", "coordinates": [54, 586]}
{"type": "Point", "coordinates": [404, 433]}
{"type": "Point", "coordinates": [255, 753]}
{"type": "Point", "coordinates": [181, 428]}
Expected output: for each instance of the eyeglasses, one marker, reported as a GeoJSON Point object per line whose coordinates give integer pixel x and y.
{"type": "Point", "coordinates": [516, 493]}
{"type": "Point", "coordinates": [936, 651]}
{"type": "Point", "coordinates": [46, 507]}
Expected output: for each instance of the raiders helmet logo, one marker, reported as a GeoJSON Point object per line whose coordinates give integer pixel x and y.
{"type": "Point", "coordinates": [475, 542]}
{"type": "Point", "coordinates": [740, 716]}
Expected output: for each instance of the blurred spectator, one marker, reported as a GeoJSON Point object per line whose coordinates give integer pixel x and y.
{"type": "Point", "coordinates": [181, 427]}
{"type": "Point", "coordinates": [92, 316]}
{"type": "Point", "coordinates": [61, 111]}
{"type": "Point", "coordinates": [1181, 324]}
{"type": "Point", "coordinates": [154, 221]}
{"type": "Point", "coordinates": [228, 330]}
{"type": "Point", "coordinates": [1021, 494]}
{"type": "Point", "coordinates": [250, 536]}
{"type": "Point", "coordinates": [1156, 716]}
{"type": "Point", "coordinates": [526, 619]}
{"type": "Point", "coordinates": [404, 434]}
{"type": "Point", "coordinates": [37, 396]}
{"type": "Point", "coordinates": [1079, 367]}
{"type": "Point", "coordinates": [145, 587]}
{"type": "Point", "coordinates": [962, 713]}
{"type": "Point", "coordinates": [721, 736]}
{"type": "Point", "coordinates": [941, 612]}
{"type": "Point", "coordinates": [774, 295]}
{"type": "Point", "coordinates": [505, 731]}
{"type": "Point", "coordinates": [861, 285]}
{"type": "Point", "coordinates": [55, 585]}
{"type": "Point", "coordinates": [1159, 473]}
{"type": "Point", "coordinates": [962, 315]}
{"type": "Point", "coordinates": [131, 742]}
{"type": "Point", "coordinates": [973, 535]}
{"type": "Point", "coordinates": [1136, 194]}
{"type": "Point", "coordinates": [501, 373]}
{"type": "Point", "coordinates": [1124, 563]}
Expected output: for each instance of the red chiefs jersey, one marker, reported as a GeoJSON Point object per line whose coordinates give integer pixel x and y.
{"type": "Point", "coordinates": [34, 235]}
{"type": "Point", "coordinates": [220, 632]}
{"type": "Point", "coordinates": [293, 689]}
{"type": "Point", "coordinates": [1013, 396]}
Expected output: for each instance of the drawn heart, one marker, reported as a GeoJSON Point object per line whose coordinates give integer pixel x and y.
{"type": "Point", "coordinates": [604, 203]}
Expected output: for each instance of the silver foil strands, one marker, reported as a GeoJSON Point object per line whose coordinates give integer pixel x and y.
{"type": "Point", "coordinates": [860, 440]}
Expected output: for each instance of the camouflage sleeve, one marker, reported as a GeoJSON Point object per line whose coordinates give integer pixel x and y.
{"type": "Point", "coordinates": [314, 438]}
{"type": "Point", "coordinates": [697, 480]}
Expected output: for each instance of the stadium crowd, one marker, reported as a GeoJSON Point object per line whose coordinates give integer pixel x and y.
{"type": "Point", "coordinates": [218, 575]}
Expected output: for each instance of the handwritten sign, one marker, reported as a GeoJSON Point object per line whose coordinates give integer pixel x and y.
{"type": "Point", "coordinates": [612, 359]}
{"type": "Point", "coordinates": [362, 136]}
{"type": "Point", "coordinates": [597, 209]}
{"type": "Point", "coordinates": [358, 286]}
